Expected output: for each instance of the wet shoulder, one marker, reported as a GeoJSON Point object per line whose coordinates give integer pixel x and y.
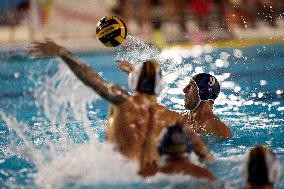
{"type": "Point", "coordinates": [169, 115]}
{"type": "Point", "coordinates": [221, 128]}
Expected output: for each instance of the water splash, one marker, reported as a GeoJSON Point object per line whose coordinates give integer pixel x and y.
{"type": "Point", "coordinates": [91, 163]}
{"type": "Point", "coordinates": [63, 98]}
{"type": "Point", "coordinates": [135, 50]}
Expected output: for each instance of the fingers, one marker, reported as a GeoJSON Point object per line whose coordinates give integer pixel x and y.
{"type": "Point", "coordinates": [36, 49]}
{"type": "Point", "coordinates": [124, 62]}
{"type": "Point", "coordinates": [36, 55]}
{"type": "Point", "coordinates": [125, 66]}
{"type": "Point", "coordinates": [118, 61]}
{"type": "Point", "coordinates": [121, 65]}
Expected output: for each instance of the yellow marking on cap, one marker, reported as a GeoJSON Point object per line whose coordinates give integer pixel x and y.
{"type": "Point", "coordinates": [155, 64]}
{"type": "Point", "coordinates": [264, 149]}
{"type": "Point", "coordinates": [148, 67]}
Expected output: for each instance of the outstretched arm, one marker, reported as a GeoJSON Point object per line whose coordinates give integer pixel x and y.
{"type": "Point", "coordinates": [113, 93]}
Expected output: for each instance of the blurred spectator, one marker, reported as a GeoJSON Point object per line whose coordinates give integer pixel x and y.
{"type": "Point", "coordinates": [266, 10]}
{"type": "Point", "coordinates": [13, 12]}
{"type": "Point", "coordinates": [221, 7]}
{"type": "Point", "coordinates": [172, 16]}
{"type": "Point", "coordinates": [132, 19]}
{"type": "Point", "coordinates": [174, 13]}
{"type": "Point", "coordinates": [202, 9]}
{"type": "Point", "coordinates": [243, 12]}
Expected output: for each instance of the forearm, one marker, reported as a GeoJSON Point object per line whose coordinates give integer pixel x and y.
{"type": "Point", "coordinates": [89, 77]}
{"type": "Point", "coordinates": [199, 147]}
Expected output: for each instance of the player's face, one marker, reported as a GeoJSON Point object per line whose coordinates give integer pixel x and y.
{"type": "Point", "coordinates": [191, 98]}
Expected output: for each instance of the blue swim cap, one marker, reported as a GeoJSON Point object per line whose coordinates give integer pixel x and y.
{"type": "Point", "coordinates": [175, 141]}
{"type": "Point", "coordinates": [208, 86]}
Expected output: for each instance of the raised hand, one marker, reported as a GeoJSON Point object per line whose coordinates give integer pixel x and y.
{"type": "Point", "coordinates": [47, 48]}
{"type": "Point", "coordinates": [125, 66]}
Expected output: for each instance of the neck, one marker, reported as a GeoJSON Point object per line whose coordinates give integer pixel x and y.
{"type": "Point", "coordinates": [148, 96]}
{"type": "Point", "coordinates": [203, 111]}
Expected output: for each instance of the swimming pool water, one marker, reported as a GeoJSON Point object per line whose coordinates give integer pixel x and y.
{"type": "Point", "coordinates": [46, 113]}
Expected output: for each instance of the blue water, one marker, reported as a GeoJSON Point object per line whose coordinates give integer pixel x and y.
{"type": "Point", "coordinates": [251, 104]}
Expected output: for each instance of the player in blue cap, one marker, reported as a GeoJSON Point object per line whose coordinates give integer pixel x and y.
{"type": "Point", "coordinates": [135, 120]}
{"type": "Point", "coordinates": [200, 94]}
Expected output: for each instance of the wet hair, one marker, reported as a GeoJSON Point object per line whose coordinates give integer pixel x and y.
{"type": "Point", "coordinates": [147, 78]}
{"type": "Point", "coordinates": [208, 86]}
{"type": "Point", "coordinates": [257, 168]}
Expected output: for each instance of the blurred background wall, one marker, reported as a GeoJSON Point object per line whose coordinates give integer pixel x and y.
{"type": "Point", "coordinates": [172, 20]}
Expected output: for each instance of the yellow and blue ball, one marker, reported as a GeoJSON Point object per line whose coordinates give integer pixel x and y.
{"type": "Point", "coordinates": [111, 31]}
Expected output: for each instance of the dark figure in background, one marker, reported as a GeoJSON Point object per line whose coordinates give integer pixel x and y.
{"type": "Point", "coordinates": [262, 169]}
{"type": "Point", "coordinates": [200, 94]}
{"type": "Point", "coordinates": [266, 10]}
{"type": "Point", "coordinates": [174, 146]}
{"type": "Point", "coordinates": [221, 7]}
{"type": "Point", "coordinates": [202, 9]}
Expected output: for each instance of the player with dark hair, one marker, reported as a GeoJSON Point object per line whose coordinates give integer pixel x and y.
{"type": "Point", "coordinates": [200, 95]}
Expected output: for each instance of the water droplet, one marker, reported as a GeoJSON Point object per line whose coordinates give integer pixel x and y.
{"type": "Point", "coordinates": [219, 63]}
{"type": "Point", "coordinates": [279, 92]}
{"type": "Point", "coordinates": [199, 70]}
{"type": "Point", "coordinates": [224, 55]}
{"type": "Point", "coordinates": [260, 95]}
{"type": "Point", "coordinates": [237, 89]}
{"type": "Point", "coordinates": [208, 58]}
{"type": "Point", "coordinates": [262, 82]}
{"type": "Point", "coordinates": [237, 53]}
{"type": "Point", "coordinates": [16, 75]}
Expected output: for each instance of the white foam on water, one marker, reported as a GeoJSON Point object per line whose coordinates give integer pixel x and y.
{"type": "Point", "coordinates": [27, 149]}
{"type": "Point", "coordinates": [90, 163]}
{"type": "Point", "coordinates": [63, 95]}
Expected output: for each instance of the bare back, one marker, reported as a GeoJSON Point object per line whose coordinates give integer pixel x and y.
{"type": "Point", "coordinates": [131, 122]}
{"type": "Point", "coordinates": [134, 121]}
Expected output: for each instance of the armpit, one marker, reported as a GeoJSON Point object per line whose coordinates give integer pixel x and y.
{"type": "Point", "coordinates": [117, 95]}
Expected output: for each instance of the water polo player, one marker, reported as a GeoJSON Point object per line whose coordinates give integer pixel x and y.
{"type": "Point", "coordinates": [261, 169]}
{"type": "Point", "coordinates": [134, 121]}
{"type": "Point", "coordinates": [175, 146]}
{"type": "Point", "coordinates": [200, 94]}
